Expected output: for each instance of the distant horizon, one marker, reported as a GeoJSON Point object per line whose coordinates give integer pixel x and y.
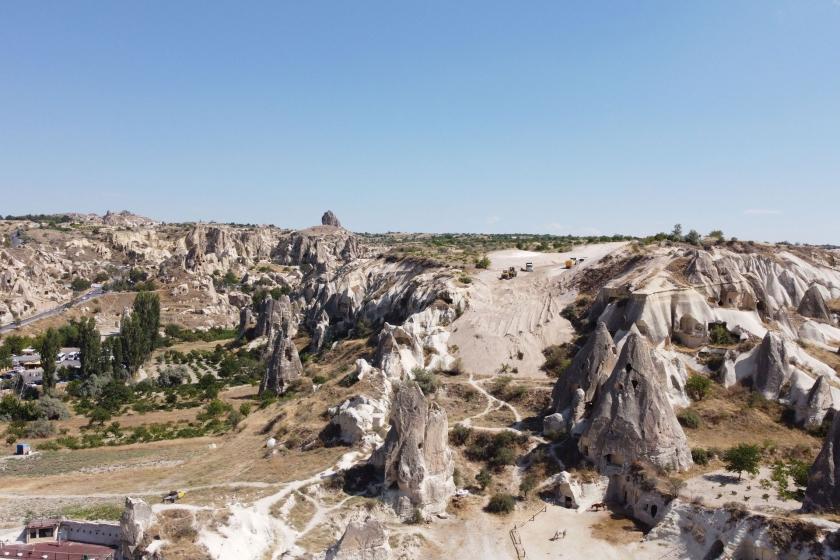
{"type": "Point", "coordinates": [549, 117]}
{"type": "Point", "coordinates": [686, 229]}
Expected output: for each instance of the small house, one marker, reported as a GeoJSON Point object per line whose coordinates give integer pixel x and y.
{"type": "Point", "coordinates": [23, 449]}
{"type": "Point", "coordinates": [40, 530]}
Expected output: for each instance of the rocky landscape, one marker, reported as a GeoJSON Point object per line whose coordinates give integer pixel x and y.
{"type": "Point", "coordinates": [366, 397]}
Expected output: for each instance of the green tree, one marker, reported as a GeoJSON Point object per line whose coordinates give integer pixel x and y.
{"type": "Point", "coordinates": [50, 345]}
{"type": "Point", "coordinates": [147, 310]}
{"type": "Point", "coordinates": [90, 348]}
{"type": "Point", "coordinates": [79, 284]}
{"type": "Point", "coordinates": [677, 232]}
{"type": "Point", "coordinates": [716, 234]}
{"type": "Point", "coordinates": [483, 262]}
{"type": "Point", "coordinates": [693, 237]}
{"type": "Point", "coordinates": [742, 458]}
{"type": "Point", "coordinates": [698, 386]}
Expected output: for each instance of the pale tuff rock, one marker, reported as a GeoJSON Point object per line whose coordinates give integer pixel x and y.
{"type": "Point", "coordinates": [813, 305]}
{"type": "Point", "coordinates": [215, 247]}
{"type": "Point", "coordinates": [421, 341]}
{"type": "Point", "coordinates": [330, 219]}
{"type": "Point", "coordinates": [324, 248]}
{"type": "Point", "coordinates": [823, 491]}
{"type": "Point", "coordinates": [632, 419]}
{"type": "Point", "coordinates": [283, 367]}
{"type": "Point", "coordinates": [274, 316]}
{"type": "Point", "coordinates": [554, 425]}
{"type": "Point", "coordinates": [136, 519]}
{"type": "Point", "coordinates": [416, 458]}
{"type": "Point", "coordinates": [590, 369]}
{"type": "Point", "coordinates": [812, 410]}
{"type": "Point", "coordinates": [362, 540]}
{"type": "Point", "coordinates": [772, 368]}
{"type": "Point", "coordinates": [694, 531]}
{"type": "Point", "coordinates": [359, 418]}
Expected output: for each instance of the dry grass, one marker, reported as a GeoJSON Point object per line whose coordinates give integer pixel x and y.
{"type": "Point", "coordinates": [831, 359]}
{"type": "Point", "coordinates": [617, 530]}
{"type": "Point", "coordinates": [177, 527]}
{"type": "Point", "coordinates": [729, 417]}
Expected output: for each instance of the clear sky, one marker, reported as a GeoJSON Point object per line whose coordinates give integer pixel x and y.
{"type": "Point", "coordinates": [556, 117]}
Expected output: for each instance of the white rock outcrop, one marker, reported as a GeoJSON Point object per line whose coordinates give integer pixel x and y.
{"type": "Point", "coordinates": [415, 457]}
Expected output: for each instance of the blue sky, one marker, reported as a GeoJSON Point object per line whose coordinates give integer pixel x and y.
{"type": "Point", "coordinates": [556, 117]}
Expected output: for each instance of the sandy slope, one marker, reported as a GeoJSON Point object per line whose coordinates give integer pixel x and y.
{"type": "Point", "coordinates": [506, 317]}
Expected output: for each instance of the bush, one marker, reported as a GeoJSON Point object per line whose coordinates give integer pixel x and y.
{"type": "Point", "coordinates": [483, 478]}
{"type": "Point", "coordinates": [689, 419]}
{"type": "Point", "coordinates": [501, 504]}
{"type": "Point", "coordinates": [558, 358]}
{"type": "Point", "coordinates": [483, 262]}
{"type": "Point", "coordinates": [698, 386]}
{"type": "Point", "coordinates": [79, 284]}
{"type": "Point", "coordinates": [700, 456]}
{"type": "Point", "coordinates": [51, 409]}
{"type": "Point", "coordinates": [426, 380]}
{"type": "Point", "coordinates": [40, 428]}
{"type": "Point", "coordinates": [460, 434]}
{"type": "Point", "coordinates": [245, 409]}
{"type": "Point", "coordinates": [720, 336]}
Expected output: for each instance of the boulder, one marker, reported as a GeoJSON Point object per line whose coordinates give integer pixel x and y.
{"type": "Point", "coordinates": [362, 540]}
{"type": "Point", "coordinates": [283, 367]}
{"type": "Point", "coordinates": [772, 368]}
{"type": "Point", "coordinates": [811, 412]}
{"type": "Point", "coordinates": [330, 219]}
{"type": "Point", "coordinates": [590, 369]}
{"type": "Point", "coordinates": [823, 490]}
{"type": "Point", "coordinates": [135, 521]}
{"type": "Point", "coordinates": [554, 425]}
{"type": "Point", "coordinates": [813, 305]}
{"type": "Point", "coordinates": [415, 457]}
{"type": "Point", "coordinates": [632, 419]}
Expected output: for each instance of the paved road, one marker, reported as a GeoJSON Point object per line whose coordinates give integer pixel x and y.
{"type": "Point", "coordinates": [87, 296]}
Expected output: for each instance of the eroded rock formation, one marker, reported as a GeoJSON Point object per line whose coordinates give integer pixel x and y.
{"type": "Point", "coordinates": [284, 366]}
{"type": "Point", "coordinates": [590, 369]}
{"type": "Point", "coordinates": [415, 457]}
{"type": "Point", "coordinates": [135, 521]}
{"type": "Point", "coordinates": [813, 305]}
{"type": "Point", "coordinates": [823, 490]}
{"type": "Point", "coordinates": [811, 412]}
{"type": "Point", "coordinates": [330, 219]}
{"type": "Point", "coordinates": [632, 419]}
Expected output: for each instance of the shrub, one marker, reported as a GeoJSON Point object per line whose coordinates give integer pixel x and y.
{"type": "Point", "coordinates": [483, 478]}
{"type": "Point", "coordinates": [698, 386]}
{"type": "Point", "coordinates": [689, 419]}
{"type": "Point", "coordinates": [501, 504]}
{"type": "Point", "coordinates": [700, 456]}
{"type": "Point", "coordinates": [79, 284]}
{"type": "Point", "coordinates": [483, 262]}
{"type": "Point", "coordinates": [719, 335]}
{"type": "Point", "coordinates": [558, 358]}
{"type": "Point", "coordinates": [51, 409]}
{"type": "Point", "coordinates": [245, 409]}
{"type": "Point", "coordinates": [426, 380]}
{"type": "Point", "coordinates": [460, 434]}
{"type": "Point", "coordinates": [40, 428]}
